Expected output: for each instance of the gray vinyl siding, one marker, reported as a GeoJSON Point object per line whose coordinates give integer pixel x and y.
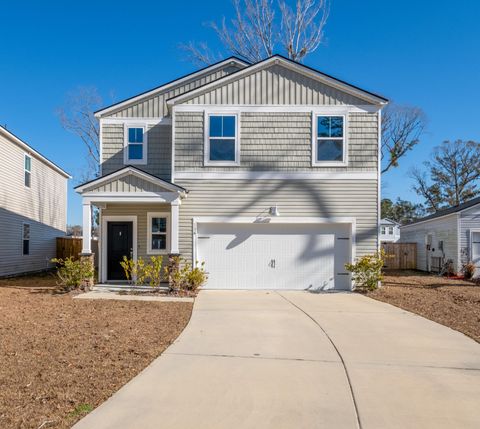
{"type": "Point", "coordinates": [469, 220]}
{"type": "Point", "coordinates": [276, 141]}
{"type": "Point", "coordinates": [155, 106]}
{"type": "Point", "coordinates": [159, 156]}
{"type": "Point", "coordinates": [128, 183]}
{"type": "Point", "coordinates": [442, 229]}
{"type": "Point", "coordinates": [43, 206]}
{"type": "Point", "coordinates": [295, 198]}
{"type": "Point", "coordinates": [275, 85]}
{"type": "Point", "coordinates": [141, 211]}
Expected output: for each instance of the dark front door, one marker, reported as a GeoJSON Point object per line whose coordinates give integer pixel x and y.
{"type": "Point", "coordinates": [119, 244]}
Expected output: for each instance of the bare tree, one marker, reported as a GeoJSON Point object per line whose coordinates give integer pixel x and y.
{"type": "Point", "coordinates": [402, 127]}
{"type": "Point", "coordinates": [77, 117]}
{"type": "Point", "coordinates": [260, 27]}
{"type": "Point", "coordinates": [453, 175]}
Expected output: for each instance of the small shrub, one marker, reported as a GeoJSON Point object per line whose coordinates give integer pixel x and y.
{"type": "Point", "coordinates": [175, 273]}
{"type": "Point", "coordinates": [195, 277]}
{"type": "Point", "coordinates": [469, 270]}
{"type": "Point", "coordinates": [367, 271]}
{"type": "Point", "coordinates": [71, 272]}
{"type": "Point", "coordinates": [134, 270]}
{"type": "Point", "coordinates": [153, 270]}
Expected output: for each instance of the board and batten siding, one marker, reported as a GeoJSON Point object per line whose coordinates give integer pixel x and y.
{"type": "Point", "coordinates": [274, 85]}
{"type": "Point", "coordinates": [127, 183]}
{"type": "Point", "coordinates": [295, 198]}
{"type": "Point", "coordinates": [469, 220]}
{"type": "Point", "coordinates": [42, 206]}
{"type": "Point", "coordinates": [442, 229]}
{"type": "Point", "coordinates": [155, 106]}
{"type": "Point", "coordinates": [276, 141]}
{"type": "Point", "coordinates": [159, 154]}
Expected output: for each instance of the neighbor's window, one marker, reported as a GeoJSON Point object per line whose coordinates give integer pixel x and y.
{"type": "Point", "coordinates": [158, 239]}
{"type": "Point", "coordinates": [390, 230]}
{"type": "Point", "coordinates": [330, 140]}
{"type": "Point", "coordinates": [135, 145]}
{"type": "Point", "coordinates": [383, 230]}
{"type": "Point", "coordinates": [26, 239]}
{"type": "Point", "coordinates": [27, 166]}
{"type": "Point", "coordinates": [222, 139]}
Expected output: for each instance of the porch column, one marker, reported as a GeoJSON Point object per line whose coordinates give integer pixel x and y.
{"type": "Point", "coordinates": [87, 228]}
{"type": "Point", "coordinates": [175, 208]}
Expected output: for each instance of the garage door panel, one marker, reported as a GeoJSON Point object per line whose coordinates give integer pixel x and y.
{"type": "Point", "coordinates": [273, 256]}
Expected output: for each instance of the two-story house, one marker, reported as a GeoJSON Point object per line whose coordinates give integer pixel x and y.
{"type": "Point", "coordinates": [267, 172]}
{"type": "Point", "coordinates": [389, 231]}
{"type": "Point", "coordinates": [33, 207]}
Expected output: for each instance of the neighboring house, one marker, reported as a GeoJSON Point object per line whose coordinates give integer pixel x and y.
{"type": "Point", "coordinates": [268, 172]}
{"type": "Point", "coordinates": [33, 207]}
{"type": "Point", "coordinates": [453, 233]}
{"type": "Point", "coordinates": [389, 231]}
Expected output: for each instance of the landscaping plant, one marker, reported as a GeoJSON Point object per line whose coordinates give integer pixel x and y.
{"type": "Point", "coordinates": [153, 270]}
{"type": "Point", "coordinates": [367, 271]}
{"type": "Point", "coordinates": [468, 270]}
{"type": "Point", "coordinates": [134, 270]}
{"type": "Point", "coordinates": [72, 272]}
{"type": "Point", "coordinates": [195, 277]}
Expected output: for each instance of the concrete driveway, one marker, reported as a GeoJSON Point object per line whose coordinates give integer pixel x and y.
{"type": "Point", "coordinates": [252, 359]}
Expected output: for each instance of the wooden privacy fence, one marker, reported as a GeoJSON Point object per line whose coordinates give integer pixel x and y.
{"type": "Point", "coordinates": [400, 256]}
{"type": "Point", "coordinates": [72, 247]}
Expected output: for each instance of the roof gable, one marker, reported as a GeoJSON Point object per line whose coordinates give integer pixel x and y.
{"type": "Point", "coordinates": [278, 80]}
{"type": "Point", "coordinates": [151, 103]}
{"type": "Point", "coordinates": [129, 180]}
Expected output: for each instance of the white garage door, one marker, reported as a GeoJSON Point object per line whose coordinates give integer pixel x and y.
{"type": "Point", "coordinates": [275, 256]}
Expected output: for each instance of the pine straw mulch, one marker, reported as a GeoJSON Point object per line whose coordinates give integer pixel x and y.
{"type": "Point", "coordinates": [453, 303]}
{"type": "Point", "coordinates": [61, 357]}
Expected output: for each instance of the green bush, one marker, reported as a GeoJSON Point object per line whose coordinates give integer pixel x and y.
{"type": "Point", "coordinates": [153, 270]}
{"type": "Point", "coordinates": [71, 273]}
{"type": "Point", "coordinates": [195, 277]}
{"type": "Point", "coordinates": [367, 271]}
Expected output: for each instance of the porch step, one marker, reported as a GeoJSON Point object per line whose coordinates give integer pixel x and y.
{"type": "Point", "coordinates": [118, 287]}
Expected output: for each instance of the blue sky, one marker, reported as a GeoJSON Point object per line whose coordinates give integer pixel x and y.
{"type": "Point", "coordinates": [421, 53]}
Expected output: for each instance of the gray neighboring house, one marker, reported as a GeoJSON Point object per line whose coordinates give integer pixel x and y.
{"type": "Point", "coordinates": [267, 172]}
{"type": "Point", "coordinates": [33, 207]}
{"type": "Point", "coordinates": [453, 233]}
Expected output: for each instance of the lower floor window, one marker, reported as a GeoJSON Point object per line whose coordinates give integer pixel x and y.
{"type": "Point", "coordinates": [26, 239]}
{"type": "Point", "coordinates": [158, 224]}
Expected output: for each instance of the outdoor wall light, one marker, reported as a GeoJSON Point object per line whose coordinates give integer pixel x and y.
{"type": "Point", "coordinates": [274, 211]}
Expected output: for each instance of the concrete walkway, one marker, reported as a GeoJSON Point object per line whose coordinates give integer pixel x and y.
{"type": "Point", "coordinates": [298, 360]}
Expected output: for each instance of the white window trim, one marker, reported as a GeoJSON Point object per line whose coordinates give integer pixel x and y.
{"type": "Point", "coordinates": [206, 144]}
{"type": "Point", "coordinates": [150, 216]}
{"type": "Point", "coordinates": [126, 159]}
{"type": "Point", "coordinates": [29, 237]}
{"type": "Point", "coordinates": [344, 162]}
{"type": "Point", "coordinates": [25, 155]}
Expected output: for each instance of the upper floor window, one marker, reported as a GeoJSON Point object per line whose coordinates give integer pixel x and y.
{"type": "Point", "coordinates": [221, 146]}
{"type": "Point", "coordinates": [27, 167]}
{"type": "Point", "coordinates": [135, 145]}
{"type": "Point", "coordinates": [329, 141]}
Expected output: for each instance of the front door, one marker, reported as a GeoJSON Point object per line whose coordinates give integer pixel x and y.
{"type": "Point", "coordinates": [119, 244]}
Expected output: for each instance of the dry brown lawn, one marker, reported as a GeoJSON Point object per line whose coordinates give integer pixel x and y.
{"type": "Point", "coordinates": [453, 303]}
{"type": "Point", "coordinates": [61, 357]}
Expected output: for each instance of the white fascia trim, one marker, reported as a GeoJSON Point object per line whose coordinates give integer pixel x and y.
{"type": "Point", "coordinates": [379, 178]}
{"type": "Point", "coordinates": [144, 127]}
{"type": "Point", "coordinates": [315, 138]}
{"type": "Point", "coordinates": [287, 64]}
{"type": "Point", "coordinates": [124, 172]}
{"type": "Point", "coordinates": [32, 152]}
{"type": "Point", "coordinates": [132, 197]}
{"type": "Point", "coordinates": [104, 241]}
{"type": "Point", "coordinates": [146, 121]}
{"type": "Point", "coordinates": [282, 108]}
{"type": "Point", "coordinates": [277, 175]}
{"type": "Point", "coordinates": [169, 85]}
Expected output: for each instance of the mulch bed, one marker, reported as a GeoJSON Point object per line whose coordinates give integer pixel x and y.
{"type": "Point", "coordinates": [61, 357]}
{"type": "Point", "coordinates": [452, 302]}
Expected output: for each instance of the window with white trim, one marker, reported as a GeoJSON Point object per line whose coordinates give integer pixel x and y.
{"type": "Point", "coordinates": [221, 146]}
{"type": "Point", "coordinates": [329, 140]}
{"type": "Point", "coordinates": [27, 170]}
{"type": "Point", "coordinates": [390, 230]}
{"type": "Point", "coordinates": [135, 145]}
{"type": "Point", "coordinates": [383, 230]}
{"type": "Point", "coordinates": [26, 238]}
{"type": "Point", "coordinates": [158, 237]}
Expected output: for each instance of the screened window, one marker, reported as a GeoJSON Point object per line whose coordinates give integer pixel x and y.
{"type": "Point", "coordinates": [222, 139]}
{"type": "Point", "coordinates": [27, 171]}
{"type": "Point", "coordinates": [135, 147]}
{"type": "Point", "coordinates": [26, 239]}
{"type": "Point", "coordinates": [330, 139]}
{"type": "Point", "coordinates": [158, 239]}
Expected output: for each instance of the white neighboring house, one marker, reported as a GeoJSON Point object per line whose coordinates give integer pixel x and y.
{"type": "Point", "coordinates": [389, 231]}
{"type": "Point", "coordinates": [33, 207]}
{"type": "Point", "coordinates": [453, 233]}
